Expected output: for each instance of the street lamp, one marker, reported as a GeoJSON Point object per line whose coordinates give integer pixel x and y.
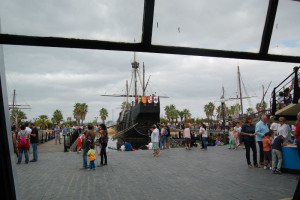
{"type": "Point", "coordinates": [223, 111]}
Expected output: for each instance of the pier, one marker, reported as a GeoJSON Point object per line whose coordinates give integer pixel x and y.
{"type": "Point", "coordinates": [217, 173]}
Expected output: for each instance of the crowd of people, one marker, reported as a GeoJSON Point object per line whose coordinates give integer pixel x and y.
{"type": "Point", "coordinates": [24, 139]}
{"type": "Point", "coordinates": [260, 138]}
{"type": "Point", "coordinates": [86, 143]}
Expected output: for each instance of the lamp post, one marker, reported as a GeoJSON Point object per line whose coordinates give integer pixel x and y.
{"type": "Point", "coordinates": [223, 112]}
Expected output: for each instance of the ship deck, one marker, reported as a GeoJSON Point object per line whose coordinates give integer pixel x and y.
{"type": "Point", "coordinates": [217, 173]}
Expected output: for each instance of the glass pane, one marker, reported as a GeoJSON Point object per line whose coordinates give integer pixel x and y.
{"type": "Point", "coordinates": [286, 31]}
{"type": "Point", "coordinates": [218, 24]}
{"type": "Point", "coordinates": [112, 20]}
{"type": "Point", "coordinates": [56, 78]}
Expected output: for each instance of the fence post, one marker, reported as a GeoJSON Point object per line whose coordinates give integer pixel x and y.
{"type": "Point", "coordinates": [296, 90]}
{"type": "Point", "coordinates": [274, 102]}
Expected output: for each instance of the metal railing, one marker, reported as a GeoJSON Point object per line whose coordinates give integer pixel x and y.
{"type": "Point", "coordinates": [45, 137]}
{"type": "Point", "coordinates": [286, 92]}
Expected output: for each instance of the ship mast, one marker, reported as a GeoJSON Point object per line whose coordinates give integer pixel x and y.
{"type": "Point", "coordinates": [240, 89]}
{"type": "Point", "coordinates": [135, 66]}
{"type": "Point", "coordinates": [144, 80]}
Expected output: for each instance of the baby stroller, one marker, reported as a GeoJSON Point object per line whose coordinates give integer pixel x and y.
{"type": "Point", "coordinates": [193, 140]}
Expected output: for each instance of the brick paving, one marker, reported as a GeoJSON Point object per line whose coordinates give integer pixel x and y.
{"type": "Point", "coordinates": [218, 173]}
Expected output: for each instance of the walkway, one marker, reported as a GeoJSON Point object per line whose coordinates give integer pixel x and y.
{"type": "Point", "coordinates": [218, 173]}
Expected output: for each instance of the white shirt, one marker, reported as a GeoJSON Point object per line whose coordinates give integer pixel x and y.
{"type": "Point", "coordinates": [238, 129]}
{"type": "Point", "coordinates": [28, 130]}
{"type": "Point", "coordinates": [24, 133]}
{"type": "Point", "coordinates": [284, 130]}
{"type": "Point", "coordinates": [205, 132]}
{"type": "Point", "coordinates": [231, 135]}
{"type": "Point", "coordinates": [274, 126]}
{"type": "Point", "coordinates": [155, 135]}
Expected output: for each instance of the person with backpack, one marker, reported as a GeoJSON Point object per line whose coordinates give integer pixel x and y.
{"type": "Point", "coordinates": [23, 146]}
{"type": "Point", "coordinates": [87, 141]}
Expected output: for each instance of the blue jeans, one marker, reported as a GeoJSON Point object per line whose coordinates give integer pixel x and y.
{"type": "Point", "coordinates": [92, 164]}
{"type": "Point", "coordinates": [84, 155]}
{"type": "Point", "coordinates": [204, 139]}
{"type": "Point", "coordinates": [252, 145]}
{"type": "Point", "coordinates": [21, 150]}
{"type": "Point", "coordinates": [162, 142]}
{"type": "Point", "coordinates": [35, 153]}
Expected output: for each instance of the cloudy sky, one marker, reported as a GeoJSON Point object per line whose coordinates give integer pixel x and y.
{"type": "Point", "coordinates": [57, 78]}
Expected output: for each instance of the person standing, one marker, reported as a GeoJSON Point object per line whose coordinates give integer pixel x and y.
{"type": "Point", "coordinates": [23, 146]}
{"type": "Point", "coordinates": [168, 137]}
{"type": "Point", "coordinates": [28, 130]}
{"type": "Point", "coordinates": [187, 136]}
{"type": "Point", "coordinates": [283, 128]}
{"type": "Point", "coordinates": [34, 140]}
{"type": "Point", "coordinates": [297, 133]}
{"type": "Point", "coordinates": [162, 138]}
{"type": "Point", "coordinates": [248, 132]}
{"type": "Point", "coordinates": [274, 127]}
{"type": "Point", "coordinates": [204, 135]}
{"type": "Point", "coordinates": [92, 157]}
{"type": "Point", "coordinates": [103, 142]}
{"type": "Point", "coordinates": [14, 138]}
{"type": "Point", "coordinates": [154, 140]}
{"type": "Point", "coordinates": [87, 141]}
{"type": "Point", "coordinates": [237, 132]}
{"type": "Point", "coordinates": [277, 153]}
{"type": "Point", "coordinates": [65, 130]}
{"type": "Point", "coordinates": [267, 150]}
{"type": "Point", "coordinates": [261, 129]}
{"type": "Point", "coordinates": [57, 134]}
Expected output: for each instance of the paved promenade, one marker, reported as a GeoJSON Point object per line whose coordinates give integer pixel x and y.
{"type": "Point", "coordinates": [218, 173]}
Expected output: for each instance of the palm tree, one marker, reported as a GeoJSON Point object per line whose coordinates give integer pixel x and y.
{"type": "Point", "coordinates": [167, 112]}
{"type": "Point", "coordinates": [16, 116]}
{"type": "Point", "coordinates": [187, 114]}
{"type": "Point", "coordinates": [77, 112]}
{"type": "Point", "coordinates": [219, 112]}
{"type": "Point", "coordinates": [42, 121]}
{"type": "Point", "coordinates": [181, 115]}
{"type": "Point", "coordinates": [174, 114]}
{"type": "Point", "coordinates": [103, 114]}
{"type": "Point", "coordinates": [80, 111]}
{"type": "Point", "coordinates": [84, 110]}
{"type": "Point", "coordinates": [57, 117]}
{"type": "Point", "coordinates": [209, 109]}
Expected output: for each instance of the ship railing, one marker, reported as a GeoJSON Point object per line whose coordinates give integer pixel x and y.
{"type": "Point", "coordinates": [291, 82]}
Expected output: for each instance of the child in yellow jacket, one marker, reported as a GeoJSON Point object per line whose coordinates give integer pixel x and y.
{"type": "Point", "coordinates": [91, 154]}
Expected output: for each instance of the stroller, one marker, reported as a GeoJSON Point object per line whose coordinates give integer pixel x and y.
{"type": "Point", "coordinates": [193, 140]}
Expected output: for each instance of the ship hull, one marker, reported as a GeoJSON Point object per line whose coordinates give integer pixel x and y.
{"type": "Point", "coordinates": [134, 124]}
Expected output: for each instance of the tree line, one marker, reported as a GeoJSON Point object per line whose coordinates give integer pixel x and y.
{"type": "Point", "coordinates": [80, 111]}
{"type": "Point", "coordinates": [211, 111]}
